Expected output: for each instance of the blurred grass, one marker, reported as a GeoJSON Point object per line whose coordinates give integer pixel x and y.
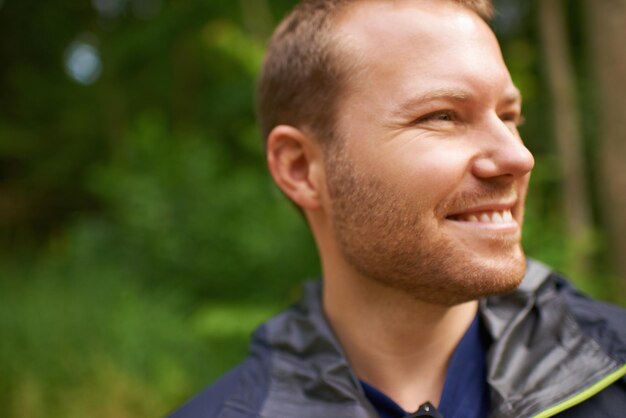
{"type": "Point", "coordinates": [89, 342]}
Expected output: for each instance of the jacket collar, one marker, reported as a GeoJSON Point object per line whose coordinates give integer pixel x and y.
{"type": "Point", "coordinates": [311, 377]}
{"type": "Point", "coordinates": [539, 356]}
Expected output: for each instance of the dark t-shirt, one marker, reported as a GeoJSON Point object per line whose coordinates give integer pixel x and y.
{"type": "Point", "coordinates": [465, 391]}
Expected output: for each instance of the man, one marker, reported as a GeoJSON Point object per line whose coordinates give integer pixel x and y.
{"type": "Point", "coordinates": [392, 124]}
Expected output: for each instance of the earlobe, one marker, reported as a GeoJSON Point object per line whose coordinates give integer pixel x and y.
{"type": "Point", "coordinates": [294, 160]}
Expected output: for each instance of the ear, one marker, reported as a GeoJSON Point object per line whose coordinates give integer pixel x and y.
{"type": "Point", "coordinates": [295, 161]}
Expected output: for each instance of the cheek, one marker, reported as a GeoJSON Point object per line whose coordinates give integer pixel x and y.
{"type": "Point", "coordinates": [524, 182]}
{"type": "Point", "coordinates": [522, 188]}
{"type": "Point", "coordinates": [430, 174]}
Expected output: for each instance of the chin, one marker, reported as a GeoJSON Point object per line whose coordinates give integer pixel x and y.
{"type": "Point", "coordinates": [495, 276]}
{"type": "Point", "coordinates": [463, 281]}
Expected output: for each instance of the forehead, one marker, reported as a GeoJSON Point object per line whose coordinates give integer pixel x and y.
{"type": "Point", "coordinates": [372, 17]}
{"type": "Point", "coordinates": [408, 47]}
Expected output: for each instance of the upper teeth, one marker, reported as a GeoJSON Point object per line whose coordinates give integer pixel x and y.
{"type": "Point", "coordinates": [489, 216]}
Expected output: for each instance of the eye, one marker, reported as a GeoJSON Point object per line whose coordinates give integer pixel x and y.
{"type": "Point", "coordinates": [514, 119]}
{"type": "Point", "coordinates": [438, 116]}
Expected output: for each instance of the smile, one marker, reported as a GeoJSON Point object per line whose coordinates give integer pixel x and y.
{"type": "Point", "coordinates": [487, 217]}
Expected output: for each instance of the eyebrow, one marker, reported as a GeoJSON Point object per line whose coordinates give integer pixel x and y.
{"type": "Point", "coordinates": [456, 95]}
{"type": "Point", "coordinates": [409, 105]}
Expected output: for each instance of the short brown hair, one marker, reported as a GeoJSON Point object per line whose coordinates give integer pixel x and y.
{"type": "Point", "coordinates": [304, 71]}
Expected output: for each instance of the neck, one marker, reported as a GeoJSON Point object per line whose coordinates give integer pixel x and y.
{"type": "Point", "coordinates": [394, 342]}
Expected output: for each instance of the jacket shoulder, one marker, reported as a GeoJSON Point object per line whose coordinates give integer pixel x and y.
{"type": "Point", "coordinates": [603, 322]}
{"type": "Point", "coordinates": [238, 394]}
{"type": "Point", "coordinates": [609, 403]}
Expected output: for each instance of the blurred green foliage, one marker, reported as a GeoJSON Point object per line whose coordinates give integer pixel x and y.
{"type": "Point", "coordinates": [141, 239]}
{"type": "Point", "coordinates": [184, 212]}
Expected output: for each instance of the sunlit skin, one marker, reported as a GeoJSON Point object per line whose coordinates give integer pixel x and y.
{"type": "Point", "coordinates": [430, 138]}
{"type": "Point", "coordinates": [418, 212]}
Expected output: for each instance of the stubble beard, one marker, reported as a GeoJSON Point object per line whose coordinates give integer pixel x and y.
{"type": "Point", "coordinates": [385, 239]}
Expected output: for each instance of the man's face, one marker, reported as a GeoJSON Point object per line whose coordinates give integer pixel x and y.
{"type": "Point", "coordinates": [428, 183]}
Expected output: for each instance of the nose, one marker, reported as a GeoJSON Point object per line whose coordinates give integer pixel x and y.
{"type": "Point", "coordinates": [503, 154]}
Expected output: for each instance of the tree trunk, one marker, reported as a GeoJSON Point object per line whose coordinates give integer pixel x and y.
{"type": "Point", "coordinates": [567, 129]}
{"type": "Point", "coordinates": [607, 41]}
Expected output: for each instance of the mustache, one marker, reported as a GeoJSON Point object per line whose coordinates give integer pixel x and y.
{"type": "Point", "coordinates": [480, 195]}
